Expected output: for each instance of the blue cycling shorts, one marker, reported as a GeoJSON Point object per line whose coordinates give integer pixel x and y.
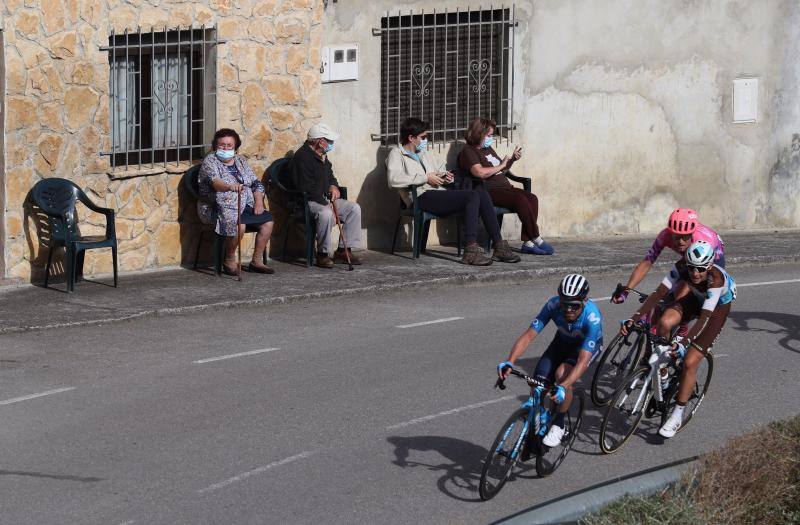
{"type": "Point", "coordinates": [557, 353]}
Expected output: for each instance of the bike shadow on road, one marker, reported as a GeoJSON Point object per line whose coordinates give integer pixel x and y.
{"type": "Point", "coordinates": [461, 465]}
{"type": "Point", "coordinates": [788, 326]}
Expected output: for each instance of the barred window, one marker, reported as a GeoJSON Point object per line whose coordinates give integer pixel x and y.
{"type": "Point", "coordinates": [163, 95]}
{"type": "Point", "coordinates": [447, 68]}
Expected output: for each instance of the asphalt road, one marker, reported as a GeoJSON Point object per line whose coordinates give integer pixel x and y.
{"type": "Point", "coordinates": [340, 411]}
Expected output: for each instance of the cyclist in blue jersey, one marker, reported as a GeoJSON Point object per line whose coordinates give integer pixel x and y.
{"type": "Point", "coordinates": [578, 339]}
{"type": "Point", "coordinates": [707, 295]}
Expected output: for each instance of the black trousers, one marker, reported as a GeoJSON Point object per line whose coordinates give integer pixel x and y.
{"type": "Point", "coordinates": [472, 203]}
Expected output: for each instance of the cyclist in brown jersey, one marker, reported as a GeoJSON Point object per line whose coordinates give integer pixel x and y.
{"type": "Point", "coordinates": [708, 299]}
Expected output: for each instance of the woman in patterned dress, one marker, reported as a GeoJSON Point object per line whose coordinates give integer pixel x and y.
{"type": "Point", "coordinates": [223, 174]}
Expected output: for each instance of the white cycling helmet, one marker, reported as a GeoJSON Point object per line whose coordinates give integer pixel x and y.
{"type": "Point", "coordinates": [700, 254]}
{"type": "Point", "coordinates": [573, 287]}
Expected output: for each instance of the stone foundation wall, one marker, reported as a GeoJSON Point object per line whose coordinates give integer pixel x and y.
{"type": "Point", "coordinates": [57, 112]}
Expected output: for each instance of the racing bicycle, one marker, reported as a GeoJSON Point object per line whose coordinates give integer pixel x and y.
{"type": "Point", "coordinates": [642, 393]}
{"type": "Point", "coordinates": [520, 437]}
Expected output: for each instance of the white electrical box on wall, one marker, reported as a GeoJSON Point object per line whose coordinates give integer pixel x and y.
{"type": "Point", "coordinates": [339, 63]}
{"type": "Point", "coordinates": [745, 100]}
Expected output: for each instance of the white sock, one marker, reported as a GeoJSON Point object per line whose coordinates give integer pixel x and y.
{"type": "Point", "coordinates": [538, 241]}
{"type": "Point", "coordinates": [678, 411]}
{"type": "Point", "coordinates": [528, 244]}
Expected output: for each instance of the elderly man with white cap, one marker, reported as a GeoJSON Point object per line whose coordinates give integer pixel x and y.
{"type": "Point", "coordinates": [313, 174]}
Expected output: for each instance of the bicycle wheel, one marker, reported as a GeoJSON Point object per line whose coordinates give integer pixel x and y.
{"type": "Point", "coordinates": [551, 457]}
{"type": "Point", "coordinates": [618, 360]}
{"type": "Point", "coordinates": [626, 410]}
{"type": "Point", "coordinates": [704, 372]}
{"type": "Point", "coordinates": [503, 454]}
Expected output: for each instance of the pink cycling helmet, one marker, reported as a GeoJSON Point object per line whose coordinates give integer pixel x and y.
{"type": "Point", "coordinates": [682, 221]}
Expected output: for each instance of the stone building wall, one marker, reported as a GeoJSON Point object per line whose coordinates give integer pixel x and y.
{"type": "Point", "coordinates": [57, 111]}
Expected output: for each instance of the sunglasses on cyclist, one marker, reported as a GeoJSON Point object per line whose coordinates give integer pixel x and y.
{"type": "Point", "coordinates": [696, 269]}
{"type": "Point", "coordinates": [571, 306]}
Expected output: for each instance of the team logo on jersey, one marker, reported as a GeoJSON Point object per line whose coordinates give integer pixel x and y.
{"type": "Point", "coordinates": [593, 318]}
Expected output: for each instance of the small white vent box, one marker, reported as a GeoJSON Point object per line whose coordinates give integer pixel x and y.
{"type": "Point", "coordinates": [340, 63]}
{"type": "Point", "coordinates": [745, 100]}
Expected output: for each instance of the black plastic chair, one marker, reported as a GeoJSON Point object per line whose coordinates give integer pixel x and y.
{"type": "Point", "coordinates": [296, 203]}
{"type": "Point", "coordinates": [192, 184]}
{"type": "Point", "coordinates": [420, 225]}
{"type": "Point", "coordinates": [58, 198]}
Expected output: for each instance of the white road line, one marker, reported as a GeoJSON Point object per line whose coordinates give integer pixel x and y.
{"type": "Point", "coordinates": [449, 412]}
{"type": "Point", "coordinates": [259, 470]}
{"type": "Point", "coordinates": [34, 396]}
{"type": "Point", "coordinates": [767, 282]}
{"type": "Point", "coordinates": [600, 298]}
{"type": "Point", "coordinates": [435, 321]}
{"type": "Point", "coordinates": [720, 355]}
{"type": "Point", "coordinates": [231, 356]}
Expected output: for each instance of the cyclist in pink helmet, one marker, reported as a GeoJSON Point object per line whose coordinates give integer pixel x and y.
{"type": "Point", "coordinates": [683, 228]}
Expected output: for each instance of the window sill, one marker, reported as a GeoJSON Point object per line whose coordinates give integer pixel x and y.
{"type": "Point", "coordinates": [170, 169]}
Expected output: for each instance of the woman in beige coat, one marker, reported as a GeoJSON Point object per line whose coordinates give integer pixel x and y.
{"type": "Point", "coordinates": [410, 165]}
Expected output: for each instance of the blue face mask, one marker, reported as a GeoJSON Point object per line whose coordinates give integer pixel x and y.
{"type": "Point", "coordinates": [329, 147]}
{"type": "Point", "coordinates": [422, 145]}
{"type": "Point", "coordinates": [225, 154]}
{"type": "Point", "coordinates": [487, 142]}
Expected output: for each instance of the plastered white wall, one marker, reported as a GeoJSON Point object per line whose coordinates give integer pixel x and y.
{"type": "Point", "coordinates": [624, 112]}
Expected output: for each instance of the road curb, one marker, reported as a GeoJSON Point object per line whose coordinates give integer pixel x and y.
{"type": "Point", "coordinates": [489, 277]}
{"type": "Point", "coordinates": [570, 507]}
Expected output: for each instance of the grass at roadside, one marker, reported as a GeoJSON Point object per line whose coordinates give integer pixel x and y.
{"type": "Point", "coordinates": [753, 479]}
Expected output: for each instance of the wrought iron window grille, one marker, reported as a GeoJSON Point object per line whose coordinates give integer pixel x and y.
{"type": "Point", "coordinates": [162, 95]}
{"type": "Point", "coordinates": [447, 68]}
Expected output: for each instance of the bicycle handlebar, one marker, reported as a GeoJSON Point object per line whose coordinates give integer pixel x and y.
{"type": "Point", "coordinates": [622, 288]}
{"type": "Point", "coordinates": [532, 381]}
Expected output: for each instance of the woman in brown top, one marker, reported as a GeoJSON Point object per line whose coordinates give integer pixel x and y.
{"type": "Point", "coordinates": [480, 160]}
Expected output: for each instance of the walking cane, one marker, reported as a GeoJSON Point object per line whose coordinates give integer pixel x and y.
{"type": "Point", "coordinates": [341, 233]}
{"type": "Point", "coordinates": [238, 233]}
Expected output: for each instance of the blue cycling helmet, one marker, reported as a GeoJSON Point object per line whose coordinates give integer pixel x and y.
{"type": "Point", "coordinates": [700, 254]}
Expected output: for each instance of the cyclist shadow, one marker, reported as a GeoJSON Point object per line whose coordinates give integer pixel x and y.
{"type": "Point", "coordinates": [788, 325]}
{"type": "Point", "coordinates": [462, 465]}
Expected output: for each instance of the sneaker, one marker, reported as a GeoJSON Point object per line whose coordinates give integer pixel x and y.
{"type": "Point", "coordinates": [554, 436]}
{"type": "Point", "coordinates": [502, 252]}
{"type": "Point", "coordinates": [535, 250]}
{"type": "Point", "coordinates": [546, 248]}
{"type": "Point", "coordinates": [474, 256]}
{"type": "Point", "coordinates": [672, 425]}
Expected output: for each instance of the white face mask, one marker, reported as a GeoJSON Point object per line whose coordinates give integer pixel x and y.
{"type": "Point", "coordinates": [225, 154]}
{"type": "Point", "coordinates": [422, 145]}
{"type": "Point", "coordinates": [487, 142]}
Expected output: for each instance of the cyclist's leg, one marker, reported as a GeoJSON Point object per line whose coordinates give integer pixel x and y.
{"type": "Point", "coordinates": [561, 373]}
{"type": "Point", "coordinates": [548, 362]}
{"type": "Point", "coordinates": [670, 318]}
{"type": "Point", "coordinates": [698, 349]}
{"type": "Point", "coordinates": [567, 360]}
